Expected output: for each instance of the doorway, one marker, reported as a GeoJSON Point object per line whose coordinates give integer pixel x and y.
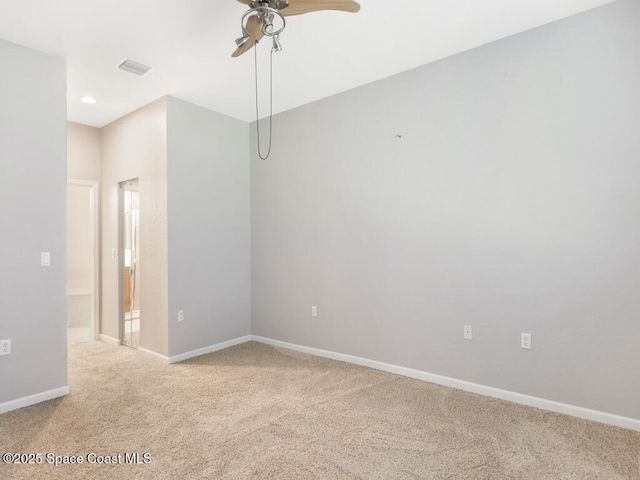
{"type": "Point", "coordinates": [130, 325]}
{"type": "Point", "coordinates": [82, 252]}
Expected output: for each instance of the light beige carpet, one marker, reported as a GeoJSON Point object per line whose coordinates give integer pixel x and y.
{"type": "Point", "coordinates": [254, 411]}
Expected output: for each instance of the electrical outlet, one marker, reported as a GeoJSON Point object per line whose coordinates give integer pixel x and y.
{"type": "Point", "coordinates": [525, 341]}
{"type": "Point", "coordinates": [468, 332]}
{"type": "Point", "coordinates": [5, 347]}
{"type": "Point", "coordinates": [180, 315]}
{"type": "Point", "coordinates": [314, 311]}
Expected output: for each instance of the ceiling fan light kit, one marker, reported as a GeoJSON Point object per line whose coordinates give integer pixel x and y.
{"type": "Point", "coordinates": [265, 15]}
{"type": "Point", "coordinates": [258, 22]}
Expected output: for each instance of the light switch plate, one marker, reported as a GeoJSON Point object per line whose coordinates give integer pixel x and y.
{"type": "Point", "coordinates": [45, 259]}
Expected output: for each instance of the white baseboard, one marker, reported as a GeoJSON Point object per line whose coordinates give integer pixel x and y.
{"type": "Point", "coordinates": [183, 356]}
{"type": "Point", "coordinates": [144, 351]}
{"type": "Point", "coordinates": [33, 399]}
{"type": "Point", "coordinates": [210, 349]}
{"type": "Point", "coordinates": [151, 354]}
{"type": "Point", "coordinates": [109, 340]}
{"type": "Point", "coordinates": [566, 409]}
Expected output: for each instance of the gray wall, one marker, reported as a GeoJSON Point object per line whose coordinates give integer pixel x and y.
{"type": "Point", "coordinates": [510, 203]}
{"type": "Point", "coordinates": [32, 220]}
{"type": "Point", "coordinates": [208, 219]}
{"type": "Point", "coordinates": [135, 146]}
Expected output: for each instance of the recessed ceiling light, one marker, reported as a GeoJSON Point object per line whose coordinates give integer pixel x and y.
{"type": "Point", "coordinates": [88, 100]}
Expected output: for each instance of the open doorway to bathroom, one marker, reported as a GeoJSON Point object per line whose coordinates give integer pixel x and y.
{"type": "Point", "coordinates": [130, 263]}
{"type": "Point", "coordinates": [81, 261]}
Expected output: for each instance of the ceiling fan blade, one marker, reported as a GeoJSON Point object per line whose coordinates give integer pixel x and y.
{"type": "Point", "coordinates": [298, 7]}
{"type": "Point", "coordinates": [246, 2]}
{"type": "Point", "coordinates": [254, 29]}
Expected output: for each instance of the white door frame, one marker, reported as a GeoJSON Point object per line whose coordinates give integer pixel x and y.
{"type": "Point", "coordinates": [95, 247]}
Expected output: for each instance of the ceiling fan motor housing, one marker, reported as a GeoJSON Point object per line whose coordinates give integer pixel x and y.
{"type": "Point", "coordinates": [277, 4]}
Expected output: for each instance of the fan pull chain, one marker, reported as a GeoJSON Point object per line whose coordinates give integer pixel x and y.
{"type": "Point", "coordinates": [270, 103]}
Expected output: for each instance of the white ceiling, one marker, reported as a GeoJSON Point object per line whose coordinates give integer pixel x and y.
{"type": "Point", "coordinates": [189, 44]}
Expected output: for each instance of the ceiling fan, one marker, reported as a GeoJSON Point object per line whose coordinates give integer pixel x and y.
{"type": "Point", "coordinates": [267, 18]}
{"type": "Point", "coordinates": [258, 21]}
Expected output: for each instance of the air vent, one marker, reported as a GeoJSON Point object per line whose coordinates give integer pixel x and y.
{"type": "Point", "coordinates": [134, 67]}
